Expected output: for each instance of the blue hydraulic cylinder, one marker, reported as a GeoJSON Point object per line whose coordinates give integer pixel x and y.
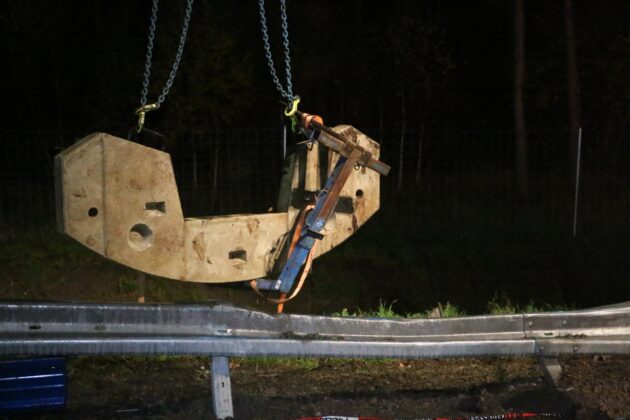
{"type": "Point", "coordinates": [311, 232]}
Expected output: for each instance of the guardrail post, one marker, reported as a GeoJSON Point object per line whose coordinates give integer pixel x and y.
{"type": "Point", "coordinates": [221, 387]}
{"type": "Point", "coordinates": [551, 369]}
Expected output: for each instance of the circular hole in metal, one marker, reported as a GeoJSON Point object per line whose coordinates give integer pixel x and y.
{"type": "Point", "coordinates": [140, 237]}
{"type": "Point", "coordinates": [359, 194]}
{"type": "Point", "coordinates": [93, 212]}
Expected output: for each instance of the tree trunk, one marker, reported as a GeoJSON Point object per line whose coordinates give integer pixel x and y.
{"type": "Point", "coordinates": [215, 169]}
{"type": "Point", "coordinates": [381, 111]}
{"type": "Point", "coordinates": [403, 127]}
{"type": "Point", "coordinates": [419, 159]}
{"type": "Point", "coordinates": [573, 83]}
{"type": "Point", "coordinates": [519, 107]}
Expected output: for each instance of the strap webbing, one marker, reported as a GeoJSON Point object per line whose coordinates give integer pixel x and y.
{"type": "Point", "coordinates": [305, 270]}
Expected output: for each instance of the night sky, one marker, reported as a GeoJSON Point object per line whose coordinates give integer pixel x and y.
{"type": "Point", "coordinates": [77, 65]}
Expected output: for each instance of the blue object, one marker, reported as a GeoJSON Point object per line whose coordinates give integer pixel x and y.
{"type": "Point", "coordinates": [310, 234]}
{"type": "Point", "coordinates": [28, 385]}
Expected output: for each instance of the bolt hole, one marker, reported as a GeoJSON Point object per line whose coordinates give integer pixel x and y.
{"type": "Point", "coordinates": [359, 194]}
{"type": "Point", "coordinates": [238, 256]}
{"type": "Point", "coordinates": [93, 212]}
{"type": "Point", "coordinates": [140, 237]}
{"type": "Point", "coordinates": [157, 206]}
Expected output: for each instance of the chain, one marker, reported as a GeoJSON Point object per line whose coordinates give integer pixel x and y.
{"type": "Point", "coordinates": [288, 93]}
{"type": "Point", "coordinates": [147, 63]}
{"type": "Point", "coordinates": [180, 51]}
{"type": "Point", "coordinates": [285, 42]}
{"type": "Point", "coordinates": [178, 56]}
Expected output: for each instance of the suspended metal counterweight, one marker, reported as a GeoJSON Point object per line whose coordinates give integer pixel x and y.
{"type": "Point", "coordinates": [120, 199]}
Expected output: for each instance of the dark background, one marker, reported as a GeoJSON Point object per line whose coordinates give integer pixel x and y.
{"type": "Point", "coordinates": [432, 81]}
{"type": "Point", "coordinates": [71, 65]}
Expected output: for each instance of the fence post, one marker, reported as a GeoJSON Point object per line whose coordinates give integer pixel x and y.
{"type": "Point", "coordinates": [141, 277]}
{"type": "Point", "coordinates": [577, 182]}
{"type": "Point", "coordinates": [221, 387]}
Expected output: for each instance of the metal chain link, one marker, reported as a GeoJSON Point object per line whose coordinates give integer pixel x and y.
{"type": "Point", "coordinates": [178, 56]}
{"type": "Point", "coordinates": [287, 57]}
{"type": "Point", "coordinates": [147, 63]}
{"type": "Point", "coordinates": [288, 93]}
{"type": "Point", "coordinates": [180, 51]}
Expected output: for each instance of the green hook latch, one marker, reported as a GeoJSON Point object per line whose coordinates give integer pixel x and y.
{"type": "Point", "coordinates": [291, 110]}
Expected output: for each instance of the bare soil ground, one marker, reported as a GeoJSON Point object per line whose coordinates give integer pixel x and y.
{"type": "Point", "coordinates": [179, 387]}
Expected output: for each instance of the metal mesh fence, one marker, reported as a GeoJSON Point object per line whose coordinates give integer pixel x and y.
{"type": "Point", "coordinates": [238, 171]}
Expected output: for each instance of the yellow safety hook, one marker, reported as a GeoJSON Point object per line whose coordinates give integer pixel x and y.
{"type": "Point", "coordinates": [292, 107]}
{"type": "Point", "coordinates": [290, 111]}
{"type": "Point", "coordinates": [142, 111]}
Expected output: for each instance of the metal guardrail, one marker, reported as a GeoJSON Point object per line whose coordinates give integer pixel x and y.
{"type": "Point", "coordinates": [221, 331]}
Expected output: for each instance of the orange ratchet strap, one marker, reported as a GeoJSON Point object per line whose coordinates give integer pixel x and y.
{"type": "Point", "coordinates": [307, 265]}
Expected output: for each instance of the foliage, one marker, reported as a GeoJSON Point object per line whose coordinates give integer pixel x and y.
{"type": "Point", "coordinates": [383, 311]}
{"type": "Point", "coordinates": [501, 305]}
{"type": "Point", "coordinates": [450, 311]}
{"type": "Point", "coordinates": [387, 311]}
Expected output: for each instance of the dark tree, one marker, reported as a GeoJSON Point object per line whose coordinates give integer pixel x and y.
{"type": "Point", "coordinates": [573, 83]}
{"type": "Point", "coordinates": [519, 107]}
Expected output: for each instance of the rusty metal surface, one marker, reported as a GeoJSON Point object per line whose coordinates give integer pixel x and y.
{"type": "Point", "coordinates": [325, 209]}
{"type": "Point", "coordinates": [344, 143]}
{"type": "Point", "coordinates": [336, 142]}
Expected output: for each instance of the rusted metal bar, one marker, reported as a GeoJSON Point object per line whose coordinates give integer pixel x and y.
{"type": "Point", "coordinates": [322, 212]}
{"type": "Point", "coordinates": [326, 201]}
{"type": "Point", "coordinates": [335, 141]}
